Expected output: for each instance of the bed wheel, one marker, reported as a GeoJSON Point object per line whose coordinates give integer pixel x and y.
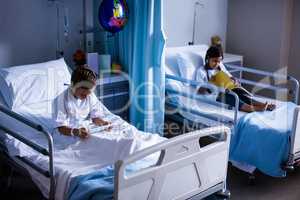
{"type": "Point", "coordinates": [289, 168]}
{"type": "Point", "coordinates": [224, 194]}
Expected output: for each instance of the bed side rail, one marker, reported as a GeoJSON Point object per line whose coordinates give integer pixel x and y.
{"type": "Point", "coordinates": [48, 152]}
{"type": "Point", "coordinates": [201, 98]}
{"type": "Point", "coordinates": [33, 145]}
{"type": "Point", "coordinates": [295, 83]}
{"type": "Point", "coordinates": [195, 83]}
{"type": "Point", "coordinates": [175, 107]}
{"type": "Point", "coordinates": [183, 169]}
{"type": "Point", "coordinates": [294, 153]}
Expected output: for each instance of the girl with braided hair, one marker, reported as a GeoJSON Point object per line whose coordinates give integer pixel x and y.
{"type": "Point", "coordinates": [79, 103]}
{"type": "Point", "coordinates": [215, 72]}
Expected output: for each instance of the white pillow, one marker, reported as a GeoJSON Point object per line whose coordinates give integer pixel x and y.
{"type": "Point", "coordinates": [188, 63]}
{"type": "Point", "coordinates": [186, 66]}
{"type": "Point", "coordinates": [171, 65]}
{"type": "Point", "coordinates": [202, 55]}
{"type": "Point", "coordinates": [28, 85]}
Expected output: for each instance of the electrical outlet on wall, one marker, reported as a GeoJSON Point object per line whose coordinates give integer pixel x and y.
{"type": "Point", "coordinates": [90, 42]}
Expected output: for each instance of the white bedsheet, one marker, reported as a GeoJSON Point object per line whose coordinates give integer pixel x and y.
{"type": "Point", "coordinates": [73, 156]}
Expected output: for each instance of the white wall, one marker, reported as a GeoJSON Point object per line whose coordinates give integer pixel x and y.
{"type": "Point", "coordinates": [178, 21]}
{"type": "Point", "coordinates": [28, 31]}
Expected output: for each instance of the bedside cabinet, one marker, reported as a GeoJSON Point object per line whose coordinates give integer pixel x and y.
{"type": "Point", "coordinates": [113, 91]}
{"type": "Point", "coordinates": [232, 59]}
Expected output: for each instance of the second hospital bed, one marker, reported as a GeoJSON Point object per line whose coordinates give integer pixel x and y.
{"type": "Point", "coordinates": [183, 104]}
{"type": "Point", "coordinates": [59, 165]}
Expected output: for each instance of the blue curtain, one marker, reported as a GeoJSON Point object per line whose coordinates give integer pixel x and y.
{"type": "Point", "coordinates": [141, 51]}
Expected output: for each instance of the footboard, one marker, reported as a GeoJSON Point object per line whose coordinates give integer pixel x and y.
{"type": "Point", "coordinates": [183, 170]}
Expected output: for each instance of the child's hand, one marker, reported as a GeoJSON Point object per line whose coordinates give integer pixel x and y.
{"type": "Point", "coordinates": [235, 81]}
{"type": "Point", "coordinates": [108, 128]}
{"type": "Point", "coordinates": [203, 90]}
{"type": "Point", "coordinates": [104, 123]}
{"type": "Point", "coordinates": [107, 124]}
{"type": "Point", "coordinates": [100, 122]}
{"type": "Point", "coordinates": [82, 133]}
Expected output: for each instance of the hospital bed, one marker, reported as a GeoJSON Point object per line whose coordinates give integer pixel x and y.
{"type": "Point", "coordinates": [184, 105]}
{"type": "Point", "coordinates": [28, 145]}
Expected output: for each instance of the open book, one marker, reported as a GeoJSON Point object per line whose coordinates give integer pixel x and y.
{"type": "Point", "coordinates": [117, 124]}
{"type": "Point", "coordinates": [96, 129]}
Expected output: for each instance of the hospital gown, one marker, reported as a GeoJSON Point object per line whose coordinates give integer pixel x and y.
{"type": "Point", "coordinates": [201, 76]}
{"type": "Point", "coordinates": [75, 113]}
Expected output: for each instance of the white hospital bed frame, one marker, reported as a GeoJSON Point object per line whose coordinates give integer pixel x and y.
{"type": "Point", "coordinates": [294, 152]}
{"type": "Point", "coordinates": [201, 170]}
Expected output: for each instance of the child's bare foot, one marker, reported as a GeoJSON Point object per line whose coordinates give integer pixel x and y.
{"type": "Point", "coordinates": [271, 107]}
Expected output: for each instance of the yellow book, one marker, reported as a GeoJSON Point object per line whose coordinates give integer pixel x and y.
{"type": "Point", "coordinates": [221, 79]}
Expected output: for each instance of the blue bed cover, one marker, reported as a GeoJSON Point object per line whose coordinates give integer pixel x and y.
{"type": "Point", "coordinates": [99, 185]}
{"type": "Point", "coordinates": [261, 139]}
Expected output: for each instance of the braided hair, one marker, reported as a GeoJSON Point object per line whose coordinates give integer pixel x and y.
{"type": "Point", "coordinates": [83, 74]}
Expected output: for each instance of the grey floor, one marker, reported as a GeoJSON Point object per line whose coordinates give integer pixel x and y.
{"type": "Point", "coordinates": [264, 187]}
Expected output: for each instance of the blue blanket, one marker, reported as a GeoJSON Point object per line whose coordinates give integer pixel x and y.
{"type": "Point", "coordinates": [261, 139]}
{"type": "Point", "coordinates": [99, 185]}
{"type": "Point", "coordinates": [94, 186]}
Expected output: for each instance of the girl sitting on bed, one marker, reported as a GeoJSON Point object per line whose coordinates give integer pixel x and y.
{"type": "Point", "coordinates": [215, 72]}
{"type": "Point", "coordinates": [78, 103]}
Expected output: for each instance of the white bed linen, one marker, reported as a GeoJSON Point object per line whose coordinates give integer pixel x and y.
{"type": "Point", "coordinates": [30, 90]}
{"type": "Point", "coordinates": [27, 85]}
{"type": "Point", "coordinates": [73, 156]}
